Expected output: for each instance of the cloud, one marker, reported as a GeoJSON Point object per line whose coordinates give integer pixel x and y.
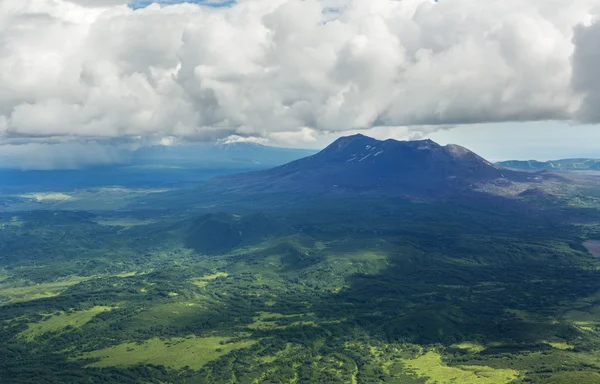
{"type": "Point", "coordinates": [288, 70]}
{"type": "Point", "coordinates": [213, 3]}
{"type": "Point", "coordinates": [417, 135]}
{"type": "Point", "coordinates": [98, 3]}
{"type": "Point", "coordinates": [61, 155]}
{"type": "Point", "coordinates": [233, 139]}
{"type": "Point", "coordinates": [586, 61]}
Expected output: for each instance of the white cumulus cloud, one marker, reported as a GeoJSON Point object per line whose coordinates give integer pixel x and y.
{"type": "Point", "coordinates": [290, 70]}
{"type": "Point", "coordinates": [586, 64]}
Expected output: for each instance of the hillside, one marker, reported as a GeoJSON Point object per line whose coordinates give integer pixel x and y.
{"type": "Point", "coordinates": [554, 165]}
{"type": "Point", "coordinates": [221, 233]}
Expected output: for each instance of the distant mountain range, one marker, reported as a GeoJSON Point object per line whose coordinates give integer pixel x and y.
{"type": "Point", "coordinates": [556, 165]}
{"type": "Point", "coordinates": [360, 164]}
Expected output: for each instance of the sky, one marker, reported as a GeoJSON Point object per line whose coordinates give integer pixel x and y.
{"type": "Point", "coordinates": [81, 81]}
{"type": "Point", "coordinates": [530, 141]}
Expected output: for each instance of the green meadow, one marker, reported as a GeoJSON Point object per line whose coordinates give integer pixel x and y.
{"type": "Point", "coordinates": [60, 321]}
{"type": "Point", "coordinates": [192, 352]}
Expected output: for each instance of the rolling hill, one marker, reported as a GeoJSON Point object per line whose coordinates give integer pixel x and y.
{"type": "Point", "coordinates": [554, 165]}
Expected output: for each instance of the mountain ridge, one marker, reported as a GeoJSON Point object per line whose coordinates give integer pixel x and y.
{"type": "Point", "coordinates": [361, 164]}
{"type": "Point", "coordinates": [574, 164]}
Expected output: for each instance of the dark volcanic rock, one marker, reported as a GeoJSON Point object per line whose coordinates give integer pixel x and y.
{"type": "Point", "coordinates": [360, 164]}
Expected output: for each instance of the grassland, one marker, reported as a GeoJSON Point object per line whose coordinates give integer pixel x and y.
{"type": "Point", "coordinates": [60, 321]}
{"type": "Point", "coordinates": [106, 199]}
{"type": "Point", "coordinates": [559, 345]}
{"type": "Point", "coordinates": [431, 366]}
{"type": "Point", "coordinates": [469, 347]}
{"type": "Point", "coordinates": [180, 312]}
{"type": "Point", "coordinates": [11, 293]}
{"type": "Point", "coordinates": [203, 281]}
{"type": "Point", "coordinates": [191, 351]}
{"type": "Point", "coordinates": [271, 321]}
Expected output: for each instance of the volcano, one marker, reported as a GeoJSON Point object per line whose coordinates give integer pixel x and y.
{"type": "Point", "coordinates": [361, 164]}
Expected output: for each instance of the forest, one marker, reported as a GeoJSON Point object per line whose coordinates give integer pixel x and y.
{"type": "Point", "coordinates": [364, 291]}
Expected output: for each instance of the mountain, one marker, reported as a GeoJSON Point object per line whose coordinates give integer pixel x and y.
{"type": "Point", "coordinates": [362, 164]}
{"type": "Point", "coordinates": [555, 165]}
{"type": "Point", "coordinates": [208, 155]}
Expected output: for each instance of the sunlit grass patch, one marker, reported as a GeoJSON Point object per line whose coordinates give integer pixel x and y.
{"type": "Point", "coordinates": [470, 347]}
{"type": "Point", "coordinates": [589, 326]}
{"type": "Point", "coordinates": [271, 320]}
{"type": "Point", "coordinates": [176, 353]}
{"type": "Point", "coordinates": [214, 276]}
{"type": "Point", "coordinates": [17, 294]}
{"type": "Point", "coordinates": [204, 280]}
{"type": "Point", "coordinates": [266, 320]}
{"type": "Point", "coordinates": [58, 322]}
{"type": "Point", "coordinates": [559, 345]}
{"type": "Point", "coordinates": [176, 313]}
{"type": "Point", "coordinates": [585, 320]}
{"type": "Point", "coordinates": [268, 359]}
{"type": "Point", "coordinates": [289, 349]}
{"type": "Point", "coordinates": [430, 365]}
{"type": "Point", "coordinates": [126, 274]}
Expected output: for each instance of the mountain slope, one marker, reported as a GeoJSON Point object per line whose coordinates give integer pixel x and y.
{"type": "Point", "coordinates": [556, 165]}
{"type": "Point", "coordinates": [362, 164]}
